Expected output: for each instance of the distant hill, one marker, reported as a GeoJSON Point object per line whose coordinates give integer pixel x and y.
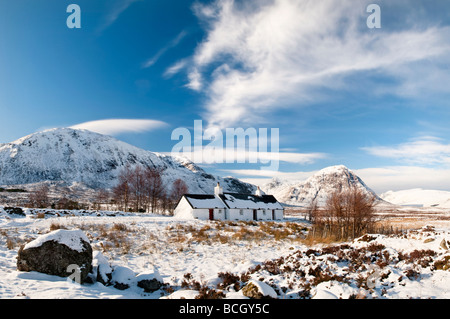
{"type": "Point", "coordinates": [418, 197]}
{"type": "Point", "coordinates": [318, 187]}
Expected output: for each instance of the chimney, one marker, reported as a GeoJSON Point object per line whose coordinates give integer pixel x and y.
{"type": "Point", "coordinates": [218, 190]}
{"type": "Point", "coordinates": [259, 192]}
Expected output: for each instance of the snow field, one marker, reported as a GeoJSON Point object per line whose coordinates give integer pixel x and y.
{"type": "Point", "coordinates": [373, 266]}
{"type": "Point", "coordinates": [141, 242]}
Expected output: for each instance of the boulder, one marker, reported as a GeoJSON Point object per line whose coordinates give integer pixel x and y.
{"type": "Point", "coordinates": [149, 281]}
{"type": "Point", "coordinates": [58, 253]}
{"type": "Point", "coordinates": [258, 290]}
{"type": "Point", "coordinates": [123, 277]}
{"type": "Point", "coordinates": [14, 211]}
{"type": "Point", "coordinates": [443, 263]}
{"type": "Point", "coordinates": [443, 244]}
{"type": "Point", "coordinates": [104, 270]}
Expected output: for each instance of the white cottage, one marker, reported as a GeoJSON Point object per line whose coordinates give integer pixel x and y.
{"type": "Point", "coordinates": [229, 206]}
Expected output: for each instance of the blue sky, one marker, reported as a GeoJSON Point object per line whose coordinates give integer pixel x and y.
{"type": "Point", "coordinates": [375, 100]}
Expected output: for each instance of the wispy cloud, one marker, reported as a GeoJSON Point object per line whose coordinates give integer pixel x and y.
{"type": "Point", "coordinates": [427, 150]}
{"type": "Point", "coordinates": [263, 175]}
{"type": "Point", "coordinates": [173, 43]}
{"type": "Point", "coordinates": [117, 8]}
{"type": "Point", "coordinates": [175, 68]}
{"type": "Point", "coordinates": [220, 155]}
{"type": "Point", "coordinates": [260, 56]}
{"type": "Point", "coordinates": [118, 126]}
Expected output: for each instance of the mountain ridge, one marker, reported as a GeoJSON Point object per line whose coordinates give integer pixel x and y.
{"type": "Point", "coordinates": [317, 187]}
{"type": "Point", "coordinates": [95, 160]}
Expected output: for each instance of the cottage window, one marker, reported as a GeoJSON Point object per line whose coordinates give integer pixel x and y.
{"type": "Point", "coordinates": [241, 212]}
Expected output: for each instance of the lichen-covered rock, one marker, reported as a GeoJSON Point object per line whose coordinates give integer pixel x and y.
{"type": "Point", "coordinates": [56, 253]}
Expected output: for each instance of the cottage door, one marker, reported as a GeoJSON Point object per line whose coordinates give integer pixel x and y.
{"type": "Point", "coordinates": [255, 214]}
{"type": "Point", "coordinates": [273, 214]}
{"type": "Point", "coordinates": [211, 214]}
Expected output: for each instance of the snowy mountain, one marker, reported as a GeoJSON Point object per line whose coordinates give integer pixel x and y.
{"type": "Point", "coordinates": [418, 197]}
{"type": "Point", "coordinates": [319, 186]}
{"type": "Point", "coordinates": [95, 160]}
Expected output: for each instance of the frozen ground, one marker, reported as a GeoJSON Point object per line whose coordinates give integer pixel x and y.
{"type": "Point", "coordinates": [224, 257]}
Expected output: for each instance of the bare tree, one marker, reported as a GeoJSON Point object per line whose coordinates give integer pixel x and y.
{"type": "Point", "coordinates": [347, 214]}
{"type": "Point", "coordinates": [121, 192]}
{"type": "Point", "coordinates": [39, 198]}
{"type": "Point", "coordinates": [140, 189]}
{"type": "Point", "coordinates": [137, 186]}
{"type": "Point", "coordinates": [154, 189]}
{"type": "Point", "coordinates": [120, 196]}
{"type": "Point", "coordinates": [312, 210]}
{"type": "Point", "coordinates": [101, 197]}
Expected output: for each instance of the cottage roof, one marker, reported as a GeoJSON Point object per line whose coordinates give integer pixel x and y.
{"type": "Point", "coordinates": [250, 201]}
{"type": "Point", "coordinates": [204, 201]}
{"type": "Point", "coordinates": [233, 200]}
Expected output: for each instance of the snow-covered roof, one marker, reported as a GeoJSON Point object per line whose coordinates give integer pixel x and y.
{"type": "Point", "coordinates": [205, 201]}
{"type": "Point", "coordinates": [250, 201]}
{"type": "Point", "coordinates": [233, 200]}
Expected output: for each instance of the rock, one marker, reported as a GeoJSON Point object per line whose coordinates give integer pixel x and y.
{"type": "Point", "coordinates": [428, 240]}
{"type": "Point", "coordinates": [123, 277]}
{"type": "Point", "coordinates": [104, 274]}
{"type": "Point", "coordinates": [14, 211]}
{"type": "Point", "coordinates": [149, 281]}
{"type": "Point", "coordinates": [57, 253]}
{"type": "Point", "coordinates": [324, 294]}
{"type": "Point", "coordinates": [366, 238]}
{"type": "Point", "coordinates": [104, 270]}
{"type": "Point", "coordinates": [149, 285]}
{"type": "Point", "coordinates": [258, 290]}
{"type": "Point", "coordinates": [443, 244]}
{"type": "Point", "coordinates": [442, 263]}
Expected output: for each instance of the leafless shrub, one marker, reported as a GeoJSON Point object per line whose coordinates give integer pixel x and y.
{"type": "Point", "coordinates": [229, 279]}
{"type": "Point", "coordinates": [55, 226]}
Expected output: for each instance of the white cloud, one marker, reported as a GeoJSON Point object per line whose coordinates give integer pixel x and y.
{"type": "Point", "coordinates": [260, 177]}
{"type": "Point", "coordinates": [116, 10]}
{"type": "Point", "coordinates": [261, 56]}
{"type": "Point", "coordinates": [223, 155]}
{"type": "Point", "coordinates": [173, 43]}
{"type": "Point", "coordinates": [194, 80]}
{"type": "Point", "coordinates": [175, 68]}
{"type": "Point", "coordinates": [118, 126]}
{"type": "Point", "coordinates": [288, 176]}
{"type": "Point", "coordinates": [426, 150]}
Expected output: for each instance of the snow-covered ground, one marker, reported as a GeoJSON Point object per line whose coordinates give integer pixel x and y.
{"type": "Point", "coordinates": [225, 256]}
